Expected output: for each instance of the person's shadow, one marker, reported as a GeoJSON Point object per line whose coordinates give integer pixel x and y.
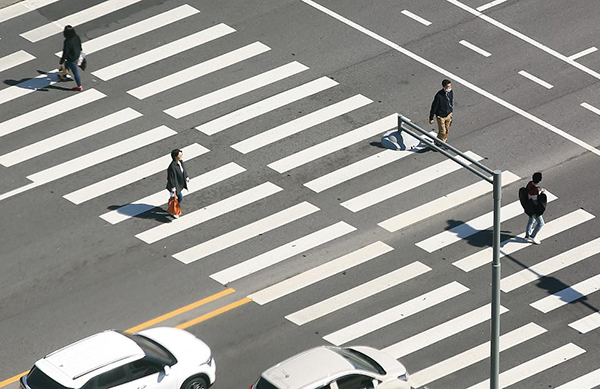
{"type": "Point", "coordinates": [38, 84]}
{"type": "Point", "coordinates": [143, 211]}
{"type": "Point", "coordinates": [475, 237]}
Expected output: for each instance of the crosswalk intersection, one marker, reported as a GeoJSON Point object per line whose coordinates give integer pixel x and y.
{"type": "Point", "coordinates": [340, 174]}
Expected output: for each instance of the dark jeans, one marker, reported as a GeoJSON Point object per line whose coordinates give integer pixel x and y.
{"type": "Point", "coordinates": [72, 66]}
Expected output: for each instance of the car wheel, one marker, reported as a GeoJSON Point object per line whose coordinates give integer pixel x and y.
{"type": "Point", "coordinates": [196, 383]}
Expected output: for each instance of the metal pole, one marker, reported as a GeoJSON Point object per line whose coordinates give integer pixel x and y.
{"type": "Point", "coordinates": [495, 336]}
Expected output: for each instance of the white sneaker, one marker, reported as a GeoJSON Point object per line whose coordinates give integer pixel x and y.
{"type": "Point", "coordinates": [176, 216]}
{"type": "Point", "coordinates": [535, 241]}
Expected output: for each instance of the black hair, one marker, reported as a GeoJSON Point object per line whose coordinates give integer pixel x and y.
{"type": "Point", "coordinates": [175, 153]}
{"type": "Point", "coordinates": [537, 177]}
{"type": "Point", "coordinates": [445, 82]}
{"type": "Point", "coordinates": [69, 32]}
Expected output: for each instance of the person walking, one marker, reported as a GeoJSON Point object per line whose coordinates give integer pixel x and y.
{"type": "Point", "coordinates": [177, 177]}
{"type": "Point", "coordinates": [537, 196]}
{"type": "Point", "coordinates": [442, 108]}
{"type": "Point", "coordinates": [70, 56]}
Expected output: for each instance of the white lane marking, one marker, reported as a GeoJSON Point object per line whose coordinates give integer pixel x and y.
{"type": "Point", "coordinates": [160, 198]}
{"type": "Point", "coordinates": [589, 381]}
{"type": "Point", "coordinates": [405, 184]}
{"type": "Point", "coordinates": [209, 212]}
{"type": "Point", "coordinates": [130, 176]}
{"type": "Point", "coordinates": [71, 136]}
{"type": "Point", "coordinates": [441, 332]}
{"type": "Point", "coordinates": [476, 49]}
{"type": "Point", "coordinates": [472, 227]}
{"type": "Point", "coordinates": [568, 295]}
{"type": "Point", "coordinates": [19, 190]}
{"type": "Point", "coordinates": [443, 203]}
{"type": "Point", "coordinates": [416, 17]}
{"type": "Point", "coordinates": [358, 293]}
{"type": "Point", "coordinates": [15, 59]}
{"type": "Point", "coordinates": [463, 81]}
{"type": "Point", "coordinates": [474, 355]}
{"type": "Point", "coordinates": [332, 145]}
{"type": "Point", "coordinates": [199, 70]}
{"type": "Point", "coordinates": [235, 90]}
{"type": "Point", "coordinates": [267, 105]}
{"type": "Point", "coordinates": [591, 108]}
{"type": "Point", "coordinates": [358, 168]}
{"type": "Point", "coordinates": [536, 79]}
{"type": "Point", "coordinates": [26, 87]}
{"type": "Point", "coordinates": [320, 273]}
{"type": "Point", "coordinates": [534, 366]}
{"type": "Point", "coordinates": [76, 19]}
{"type": "Point", "coordinates": [583, 53]}
{"type": "Point", "coordinates": [137, 29]}
{"type": "Point", "coordinates": [490, 5]}
{"type": "Point", "coordinates": [512, 245]}
{"type": "Point", "coordinates": [246, 232]}
{"type": "Point", "coordinates": [551, 265]}
{"type": "Point", "coordinates": [282, 253]}
{"type": "Point", "coordinates": [21, 8]}
{"type": "Point", "coordinates": [49, 111]}
{"type": "Point", "coordinates": [587, 324]}
{"type": "Point", "coordinates": [397, 313]}
{"type": "Point", "coordinates": [300, 124]}
{"type": "Point", "coordinates": [163, 52]}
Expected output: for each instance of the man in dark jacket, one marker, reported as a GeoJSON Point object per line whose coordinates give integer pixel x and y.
{"type": "Point", "coordinates": [442, 108]}
{"type": "Point", "coordinates": [538, 200]}
{"type": "Point", "coordinates": [70, 55]}
{"type": "Point", "coordinates": [177, 177]}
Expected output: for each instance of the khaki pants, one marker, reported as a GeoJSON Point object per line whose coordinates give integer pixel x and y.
{"type": "Point", "coordinates": [443, 127]}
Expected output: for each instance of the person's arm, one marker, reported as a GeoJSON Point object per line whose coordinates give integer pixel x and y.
{"type": "Point", "coordinates": [171, 180]}
{"type": "Point", "coordinates": [434, 107]}
{"type": "Point", "coordinates": [64, 53]}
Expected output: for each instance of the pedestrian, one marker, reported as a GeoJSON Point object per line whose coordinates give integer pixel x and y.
{"type": "Point", "coordinates": [177, 177]}
{"type": "Point", "coordinates": [70, 56]}
{"type": "Point", "coordinates": [442, 108]}
{"type": "Point", "coordinates": [537, 196]}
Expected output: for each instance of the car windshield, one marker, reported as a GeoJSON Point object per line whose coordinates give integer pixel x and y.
{"type": "Point", "coordinates": [359, 360]}
{"type": "Point", "coordinates": [37, 379]}
{"type": "Point", "coordinates": [153, 350]}
{"type": "Point", "coordinates": [264, 384]}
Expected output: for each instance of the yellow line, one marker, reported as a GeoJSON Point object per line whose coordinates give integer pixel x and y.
{"type": "Point", "coordinates": [214, 313]}
{"type": "Point", "coordinates": [12, 379]}
{"type": "Point", "coordinates": [181, 310]}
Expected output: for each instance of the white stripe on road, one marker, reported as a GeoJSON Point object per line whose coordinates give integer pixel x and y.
{"type": "Point", "coordinates": [21, 8]}
{"type": "Point", "coordinates": [29, 86]}
{"type": "Point", "coordinates": [534, 366]}
{"type": "Point", "coordinates": [587, 324]}
{"type": "Point", "coordinates": [163, 52]}
{"type": "Point", "coordinates": [397, 313]}
{"type": "Point", "coordinates": [246, 232]}
{"type": "Point", "coordinates": [549, 266]}
{"type": "Point", "coordinates": [137, 29]}
{"type": "Point", "coordinates": [416, 17]}
{"type": "Point", "coordinates": [568, 295]}
{"type": "Point", "coordinates": [282, 253]}
{"type": "Point", "coordinates": [490, 5]}
{"type": "Point", "coordinates": [266, 105]}
{"type": "Point", "coordinates": [583, 53]}
{"type": "Point", "coordinates": [199, 70]}
{"type": "Point", "coordinates": [300, 124]}
{"type": "Point", "coordinates": [209, 212]}
{"type": "Point", "coordinates": [535, 79]}
{"type": "Point", "coordinates": [15, 59]}
{"type": "Point", "coordinates": [476, 49]}
{"type": "Point", "coordinates": [332, 145]}
{"type": "Point", "coordinates": [474, 355]}
{"type": "Point", "coordinates": [235, 90]}
{"type": "Point", "coordinates": [49, 111]}
{"type": "Point", "coordinates": [160, 198]}
{"type": "Point", "coordinates": [358, 293]}
{"type": "Point", "coordinates": [589, 381]}
{"type": "Point", "coordinates": [441, 332]}
{"type": "Point", "coordinates": [130, 176]}
{"type": "Point", "coordinates": [405, 184]}
{"type": "Point", "coordinates": [320, 273]}
{"type": "Point", "coordinates": [591, 108]}
{"type": "Point", "coordinates": [76, 19]}
{"type": "Point", "coordinates": [512, 245]}
{"type": "Point", "coordinates": [71, 136]}
{"type": "Point", "coordinates": [443, 203]}
{"type": "Point", "coordinates": [102, 155]}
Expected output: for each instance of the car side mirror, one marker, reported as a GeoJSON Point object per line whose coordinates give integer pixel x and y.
{"type": "Point", "coordinates": [167, 370]}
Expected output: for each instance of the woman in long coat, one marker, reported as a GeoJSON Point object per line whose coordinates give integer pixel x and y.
{"type": "Point", "coordinates": [177, 177]}
{"type": "Point", "coordinates": [70, 55]}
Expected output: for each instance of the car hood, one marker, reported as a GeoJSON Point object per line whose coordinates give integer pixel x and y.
{"type": "Point", "coordinates": [389, 364]}
{"type": "Point", "coordinates": [183, 345]}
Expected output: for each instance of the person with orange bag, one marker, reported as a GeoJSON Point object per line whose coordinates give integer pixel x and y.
{"type": "Point", "coordinates": [177, 179]}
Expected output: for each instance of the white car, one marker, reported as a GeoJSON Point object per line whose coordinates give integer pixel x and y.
{"type": "Point", "coordinates": [157, 358]}
{"type": "Point", "coordinates": [336, 368]}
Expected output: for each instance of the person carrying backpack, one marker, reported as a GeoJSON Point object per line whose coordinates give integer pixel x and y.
{"type": "Point", "coordinates": [533, 199]}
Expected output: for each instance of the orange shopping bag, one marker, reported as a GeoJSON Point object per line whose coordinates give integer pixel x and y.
{"type": "Point", "coordinates": [173, 207]}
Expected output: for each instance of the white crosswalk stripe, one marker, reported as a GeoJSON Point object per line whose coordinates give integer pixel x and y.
{"type": "Point", "coordinates": [512, 245]}
{"type": "Point", "coordinates": [300, 124]}
{"type": "Point", "coordinates": [397, 313]}
{"type": "Point", "coordinates": [209, 212]}
{"type": "Point", "coordinates": [199, 70]}
{"type": "Point", "coordinates": [405, 184]}
{"type": "Point", "coordinates": [589, 381]}
{"type": "Point", "coordinates": [130, 176]}
{"type": "Point", "coordinates": [15, 59]}
{"type": "Point", "coordinates": [162, 52]}
{"type": "Point", "coordinates": [22, 7]}
{"type": "Point", "coordinates": [76, 19]}
{"type": "Point", "coordinates": [71, 136]}
{"type": "Point", "coordinates": [320, 273]}
{"type": "Point", "coordinates": [160, 198]}
{"type": "Point", "coordinates": [587, 324]}
{"type": "Point", "coordinates": [568, 295]}
{"type": "Point", "coordinates": [246, 232]}
{"type": "Point", "coordinates": [29, 86]}
{"type": "Point", "coordinates": [235, 90]}
{"type": "Point", "coordinates": [282, 253]}
{"type": "Point", "coordinates": [331, 145]}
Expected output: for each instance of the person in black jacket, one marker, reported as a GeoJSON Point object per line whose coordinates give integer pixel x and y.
{"type": "Point", "coordinates": [177, 177]}
{"type": "Point", "coordinates": [71, 51]}
{"type": "Point", "coordinates": [442, 108]}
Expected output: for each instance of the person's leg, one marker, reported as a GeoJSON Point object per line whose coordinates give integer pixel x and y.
{"type": "Point", "coordinates": [73, 67]}
{"type": "Point", "coordinates": [441, 128]}
{"type": "Point", "coordinates": [179, 197]}
{"type": "Point", "coordinates": [529, 227]}
{"type": "Point", "coordinates": [538, 226]}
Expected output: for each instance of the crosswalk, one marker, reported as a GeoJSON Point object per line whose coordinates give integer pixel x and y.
{"type": "Point", "coordinates": [233, 192]}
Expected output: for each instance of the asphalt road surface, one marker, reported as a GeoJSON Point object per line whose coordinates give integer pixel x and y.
{"type": "Point", "coordinates": [299, 229]}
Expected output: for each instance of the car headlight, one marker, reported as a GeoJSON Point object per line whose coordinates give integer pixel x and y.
{"type": "Point", "coordinates": [209, 361]}
{"type": "Point", "coordinates": [404, 377]}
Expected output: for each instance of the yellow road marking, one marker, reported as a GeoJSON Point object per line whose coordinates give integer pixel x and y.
{"type": "Point", "coordinates": [214, 313]}
{"type": "Point", "coordinates": [12, 379]}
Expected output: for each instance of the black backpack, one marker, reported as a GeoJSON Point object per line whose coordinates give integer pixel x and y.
{"type": "Point", "coordinates": [529, 206]}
